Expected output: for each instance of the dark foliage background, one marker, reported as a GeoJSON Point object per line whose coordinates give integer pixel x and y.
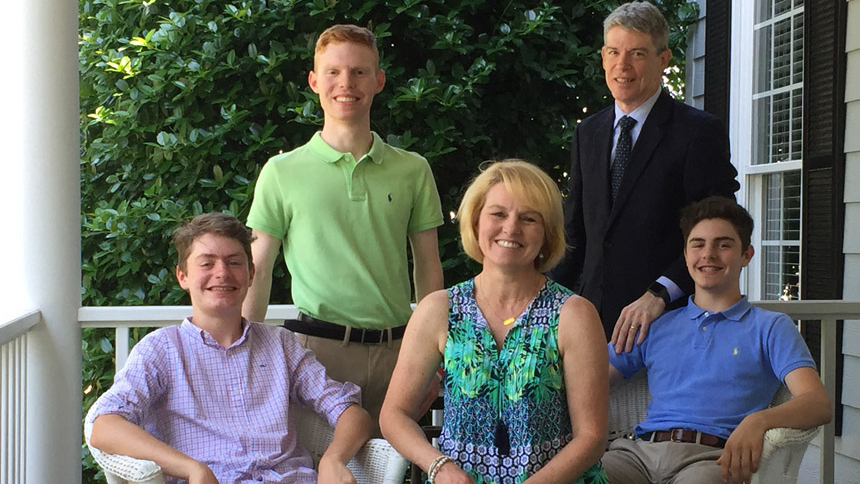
{"type": "Point", "coordinates": [183, 102]}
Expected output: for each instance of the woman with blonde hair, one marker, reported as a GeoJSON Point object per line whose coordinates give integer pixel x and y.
{"type": "Point", "coordinates": [524, 359]}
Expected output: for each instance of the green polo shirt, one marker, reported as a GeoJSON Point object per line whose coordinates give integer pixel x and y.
{"type": "Point", "coordinates": [344, 226]}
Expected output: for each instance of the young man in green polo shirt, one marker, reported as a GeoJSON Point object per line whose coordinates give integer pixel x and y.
{"type": "Point", "coordinates": [344, 206]}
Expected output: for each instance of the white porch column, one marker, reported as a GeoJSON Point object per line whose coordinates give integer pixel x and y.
{"type": "Point", "coordinates": [51, 228]}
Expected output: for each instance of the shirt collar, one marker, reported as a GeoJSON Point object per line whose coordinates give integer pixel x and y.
{"type": "Point", "coordinates": [734, 313]}
{"type": "Point", "coordinates": [188, 326]}
{"type": "Point", "coordinates": [640, 114]}
{"type": "Point", "coordinates": [331, 155]}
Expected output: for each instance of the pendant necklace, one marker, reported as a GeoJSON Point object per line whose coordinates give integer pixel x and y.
{"type": "Point", "coordinates": [501, 435]}
{"type": "Point", "coordinates": [509, 321]}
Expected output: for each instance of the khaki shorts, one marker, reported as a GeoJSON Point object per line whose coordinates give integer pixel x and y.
{"type": "Point", "coordinates": [367, 365]}
{"type": "Point", "coordinates": [642, 462]}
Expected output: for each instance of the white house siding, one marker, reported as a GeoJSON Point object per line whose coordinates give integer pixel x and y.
{"type": "Point", "coordinates": [847, 460]}
{"type": "Point", "coordinates": [848, 446]}
{"type": "Point", "coordinates": [694, 78]}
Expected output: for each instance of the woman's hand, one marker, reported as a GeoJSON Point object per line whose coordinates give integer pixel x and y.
{"type": "Point", "coordinates": [450, 473]}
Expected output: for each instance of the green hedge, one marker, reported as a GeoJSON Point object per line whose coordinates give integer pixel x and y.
{"type": "Point", "coordinates": [182, 103]}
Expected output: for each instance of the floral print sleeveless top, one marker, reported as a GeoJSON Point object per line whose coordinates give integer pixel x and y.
{"type": "Point", "coordinates": [506, 412]}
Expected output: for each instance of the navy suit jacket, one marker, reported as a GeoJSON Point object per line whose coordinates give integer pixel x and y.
{"type": "Point", "coordinates": [619, 249]}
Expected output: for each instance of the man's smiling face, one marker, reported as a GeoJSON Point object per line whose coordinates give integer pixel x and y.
{"type": "Point", "coordinates": [715, 256]}
{"type": "Point", "coordinates": [633, 67]}
{"type": "Point", "coordinates": [216, 275]}
{"type": "Point", "coordinates": [346, 76]}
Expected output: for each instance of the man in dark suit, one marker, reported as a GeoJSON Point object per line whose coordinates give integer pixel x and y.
{"type": "Point", "coordinates": [634, 166]}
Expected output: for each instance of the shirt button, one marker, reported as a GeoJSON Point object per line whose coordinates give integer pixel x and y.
{"type": "Point", "coordinates": [707, 314]}
{"type": "Point", "coordinates": [704, 328]}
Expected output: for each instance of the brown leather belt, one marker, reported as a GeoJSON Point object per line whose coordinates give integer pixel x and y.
{"type": "Point", "coordinates": [685, 436]}
{"type": "Point", "coordinates": [312, 326]}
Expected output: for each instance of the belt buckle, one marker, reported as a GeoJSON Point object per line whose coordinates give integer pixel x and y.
{"type": "Point", "coordinates": [364, 332]}
{"type": "Point", "coordinates": [677, 435]}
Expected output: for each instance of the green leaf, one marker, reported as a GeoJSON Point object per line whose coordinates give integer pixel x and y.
{"type": "Point", "coordinates": [106, 345]}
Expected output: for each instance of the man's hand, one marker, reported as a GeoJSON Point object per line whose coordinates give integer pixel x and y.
{"type": "Point", "coordinates": [202, 474]}
{"type": "Point", "coordinates": [742, 455]}
{"type": "Point", "coordinates": [636, 316]}
{"type": "Point", "coordinates": [332, 471]}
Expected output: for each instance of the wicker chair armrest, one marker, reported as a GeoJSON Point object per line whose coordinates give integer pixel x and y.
{"type": "Point", "coordinates": [781, 455]}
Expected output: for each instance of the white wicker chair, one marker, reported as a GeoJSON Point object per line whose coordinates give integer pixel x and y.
{"type": "Point", "coordinates": [783, 448]}
{"type": "Point", "coordinates": [376, 463]}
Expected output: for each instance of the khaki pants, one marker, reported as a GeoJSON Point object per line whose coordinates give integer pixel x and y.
{"type": "Point", "coordinates": [367, 365]}
{"type": "Point", "coordinates": [642, 462]}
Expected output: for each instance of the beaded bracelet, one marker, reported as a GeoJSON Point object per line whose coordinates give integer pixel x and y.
{"type": "Point", "coordinates": [435, 466]}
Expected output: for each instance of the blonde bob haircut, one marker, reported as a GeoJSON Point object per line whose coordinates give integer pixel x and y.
{"type": "Point", "coordinates": [531, 187]}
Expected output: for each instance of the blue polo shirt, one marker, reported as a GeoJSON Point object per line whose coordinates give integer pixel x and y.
{"type": "Point", "coordinates": [707, 371]}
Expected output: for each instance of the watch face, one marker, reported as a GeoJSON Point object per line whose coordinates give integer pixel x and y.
{"type": "Point", "coordinates": [660, 291]}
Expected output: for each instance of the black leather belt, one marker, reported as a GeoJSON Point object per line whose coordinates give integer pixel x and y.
{"type": "Point", "coordinates": [685, 436]}
{"type": "Point", "coordinates": [312, 326]}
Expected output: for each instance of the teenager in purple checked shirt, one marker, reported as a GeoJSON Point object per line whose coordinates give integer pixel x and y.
{"type": "Point", "coordinates": [209, 400]}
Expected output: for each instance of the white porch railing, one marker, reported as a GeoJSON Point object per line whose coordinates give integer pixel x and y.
{"type": "Point", "coordinates": [828, 312]}
{"type": "Point", "coordinates": [13, 397]}
{"type": "Point", "coordinates": [124, 317]}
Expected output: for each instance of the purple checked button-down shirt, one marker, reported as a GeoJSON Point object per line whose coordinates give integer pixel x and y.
{"type": "Point", "coordinates": [228, 407]}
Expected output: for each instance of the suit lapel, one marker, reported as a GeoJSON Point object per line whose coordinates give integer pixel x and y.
{"type": "Point", "coordinates": [600, 151]}
{"type": "Point", "coordinates": [643, 151]}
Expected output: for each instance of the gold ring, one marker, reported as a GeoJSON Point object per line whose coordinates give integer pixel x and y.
{"type": "Point", "coordinates": [633, 327]}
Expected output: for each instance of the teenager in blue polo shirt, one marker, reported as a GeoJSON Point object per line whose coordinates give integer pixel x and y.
{"type": "Point", "coordinates": [713, 367]}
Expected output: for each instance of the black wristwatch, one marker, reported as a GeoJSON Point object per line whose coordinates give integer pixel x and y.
{"type": "Point", "coordinates": [660, 291]}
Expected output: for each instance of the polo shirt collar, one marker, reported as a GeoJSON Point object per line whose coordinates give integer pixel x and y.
{"type": "Point", "coordinates": [733, 313]}
{"type": "Point", "coordinates": [331, 155]}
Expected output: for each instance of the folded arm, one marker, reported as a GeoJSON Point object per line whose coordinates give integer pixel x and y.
{"type": "Point", "coordinates": [114, 434]}
{"type": "Point", "coordinates": [809, 407]}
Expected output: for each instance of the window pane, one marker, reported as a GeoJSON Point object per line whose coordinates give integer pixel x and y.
{"type": "Point", "coordinates": [791, 205]}
{"type": "Point", "coordinates": [782, 207]}
{"type": "Point", "coordinates": [782, 53]}
{"type": "Point", "coordinates": [761, 131]}
{"type": "Point", "coordinates": [763, 67]}
{"type": "Point", "coordinates": [781, 6]}
{"type": "Point", "coordinates": [796, 124]}
{"type": "Point", "coordinates": [764, 10]}
{"type": "Point", "coordinates": [779, 137]}
{"type": "Point", "coordinates": [781, 272]}
{"type": "Point", "coordinates": [778, 81]}
{"type": "Point", "coordinates": [797, 54]}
